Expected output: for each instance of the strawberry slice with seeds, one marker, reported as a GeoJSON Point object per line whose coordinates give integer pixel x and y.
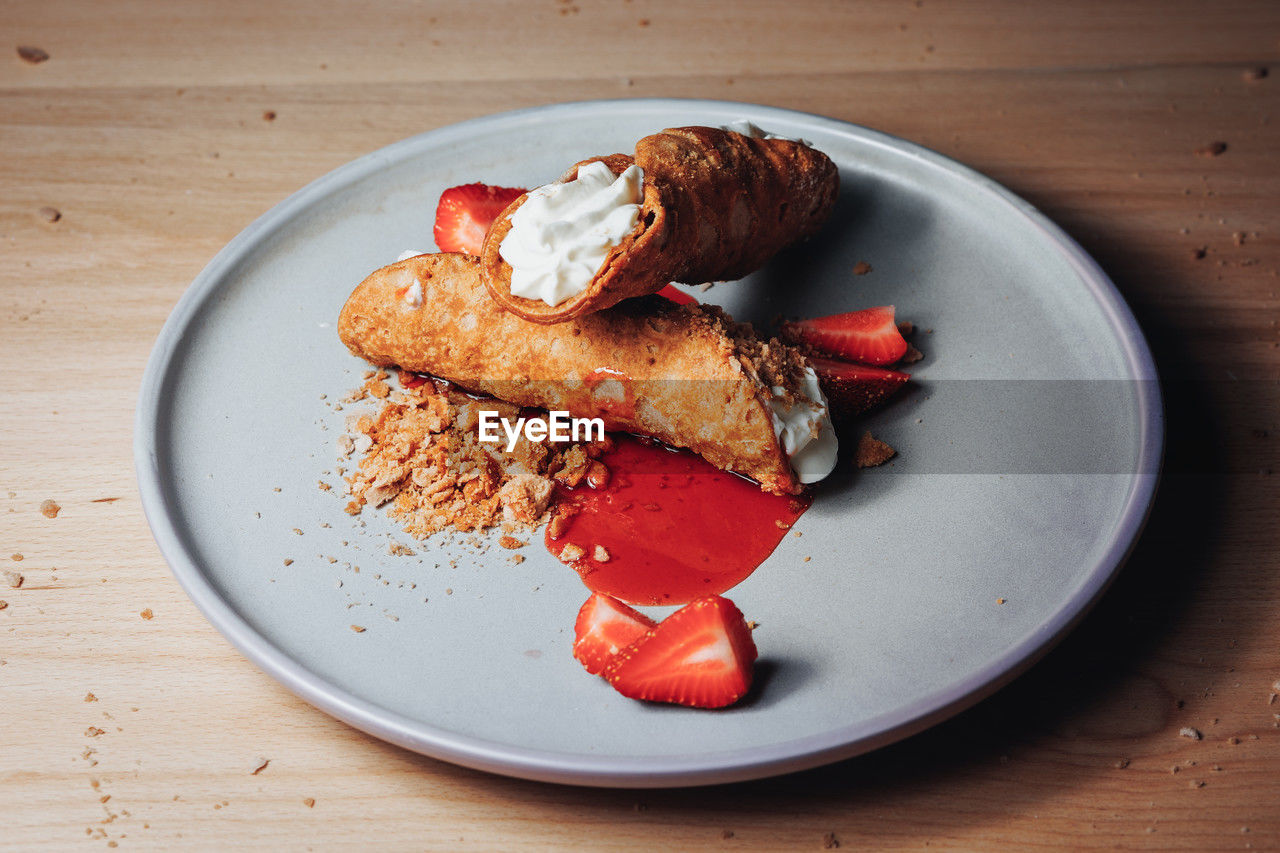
{"type": "Point", "coordinates": [465, 213]}
{"type": "Point", "coordinates": [700, 656]}
{"type": "Point", "coordinates": [854, 388]}
{"type": "Point", "coordinates": [605, 626]}
{"type": "Point", "coordinates": [869, 336]}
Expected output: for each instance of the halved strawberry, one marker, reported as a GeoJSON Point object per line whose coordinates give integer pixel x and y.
{"type": "Point", "coordinates": [465, 213]}
{"type": "Point", "coordinates": [701, 656]}
{"type": "Point", "coordinates": [605, 626]}
{"type": "Point", "coordinates": [869, 336]}
{"type": "Point", "coordinates": [676, 295]}
{"type": "Point", "coordinates": [854, 388]}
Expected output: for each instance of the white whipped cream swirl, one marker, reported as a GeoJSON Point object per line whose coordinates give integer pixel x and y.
{"type": "Point", "coordinates": [804, 430]}
{"type": "Point", "coordinates": [747, 128]}
{"type": "Point", "coordinates": [562, 233]}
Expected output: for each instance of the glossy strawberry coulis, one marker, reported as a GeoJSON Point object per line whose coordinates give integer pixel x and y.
{"type": "Point", "coordinates": [675, 527]}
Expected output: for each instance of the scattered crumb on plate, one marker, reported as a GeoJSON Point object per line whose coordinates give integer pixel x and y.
{"type": "Point", "coordinates": [872, 451]}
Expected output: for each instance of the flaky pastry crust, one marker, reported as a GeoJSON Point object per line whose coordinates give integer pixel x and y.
{"type": "Point", "coordinates": [686, 375]}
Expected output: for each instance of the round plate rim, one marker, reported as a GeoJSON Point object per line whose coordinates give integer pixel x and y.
{"type": "Point", "coordinates": [641, 771]}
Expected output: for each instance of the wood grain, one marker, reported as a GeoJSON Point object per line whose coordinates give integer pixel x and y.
{"type": "Point", "coordinates": [146, 130]}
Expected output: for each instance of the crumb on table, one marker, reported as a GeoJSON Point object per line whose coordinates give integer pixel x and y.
{"type": "Point", "coordinates": [32, 55]}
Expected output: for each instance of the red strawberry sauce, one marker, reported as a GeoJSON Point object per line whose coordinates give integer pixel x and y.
{"type": "Point", "coordinates": [675, 527]}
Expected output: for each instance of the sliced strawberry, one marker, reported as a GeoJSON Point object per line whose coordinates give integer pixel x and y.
{"type": "Point", "coordinates": [465, 213]}
{"type": "Point", "coordinates": [854, 388]}
{"type": "Point", "coordinates": [701, 655]}
{"type": "Point", "coordinates": [605, 626]}
{"type": "Point", "coordinates": [869, 336]}
{"type": "Point", "coordinates": [676, 295]}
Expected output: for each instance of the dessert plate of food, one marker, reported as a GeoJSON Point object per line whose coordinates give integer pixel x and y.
{"type": "Point", "coordinates": [648, 442]}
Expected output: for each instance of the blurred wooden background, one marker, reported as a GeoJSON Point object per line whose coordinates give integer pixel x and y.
{"type": "Point", "coordinates": [158, 130]}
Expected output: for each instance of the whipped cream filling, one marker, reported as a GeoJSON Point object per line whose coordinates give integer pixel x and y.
{"type": "Point", "coordinates": [412, 295]}
{"type": "Point", "coordinates": [804, 429]}
{"type": "Point", "coordinates": [562, 233]}
{"type": "Point", "coordinates": [747, 128]}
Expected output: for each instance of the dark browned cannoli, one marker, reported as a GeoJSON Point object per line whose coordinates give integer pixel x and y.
{"type": "Point", "coordinates": [716, 205]}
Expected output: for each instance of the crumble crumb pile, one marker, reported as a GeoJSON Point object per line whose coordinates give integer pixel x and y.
{"type": "Point", "coordinates": [420, 456]}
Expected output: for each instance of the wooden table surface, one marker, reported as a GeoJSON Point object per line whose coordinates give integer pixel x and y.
{"type": "Point", "coordinates": [128, 721]}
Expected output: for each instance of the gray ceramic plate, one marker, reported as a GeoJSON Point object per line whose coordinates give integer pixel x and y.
{"type": "Point", "coordinates": [1029, 452]}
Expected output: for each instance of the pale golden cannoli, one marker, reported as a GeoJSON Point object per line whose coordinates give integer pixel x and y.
{"type": "Point", "coordinates": [687, 375]}
{"type": "Point", "coordinates": [715, 205]}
